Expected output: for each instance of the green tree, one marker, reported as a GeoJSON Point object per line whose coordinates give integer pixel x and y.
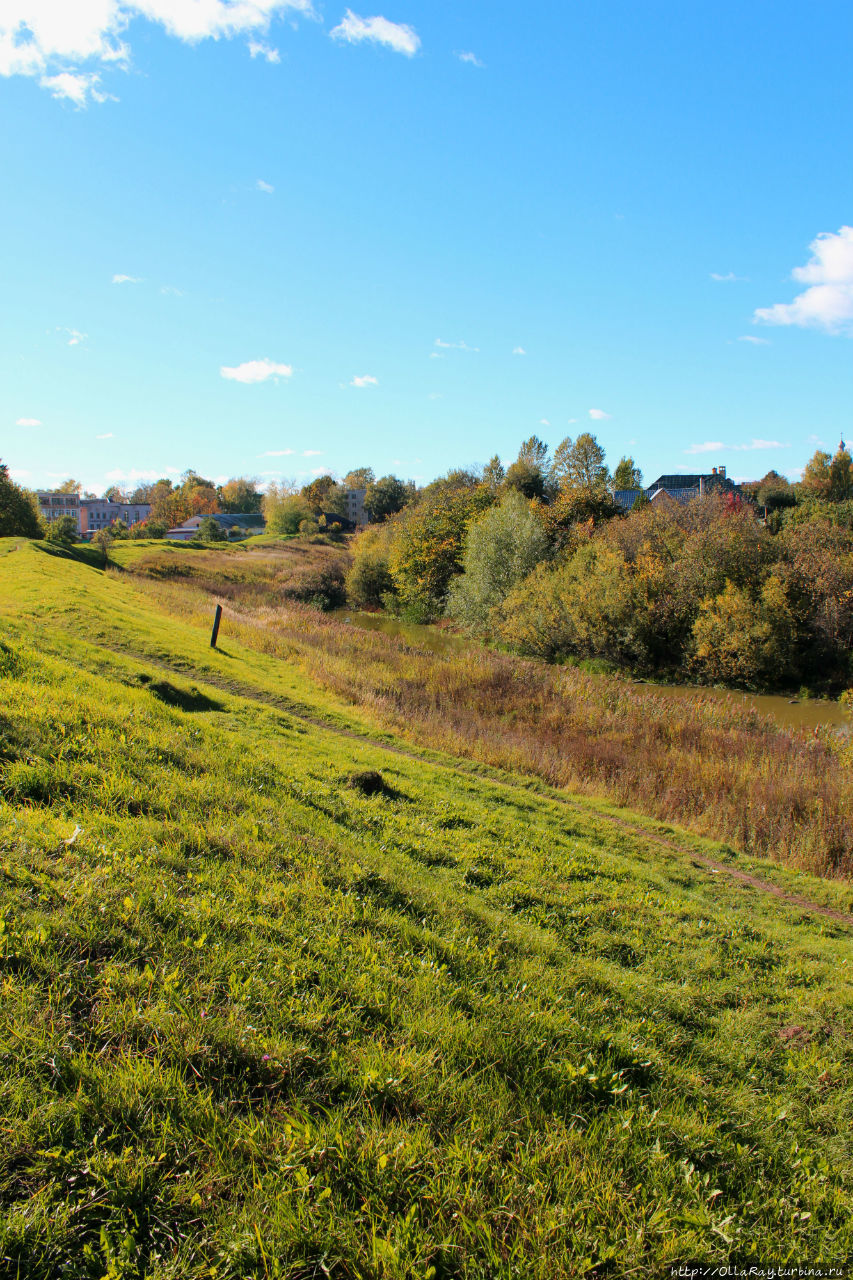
{"type": "Point", "coordinates": [114, 494]}
{"type": "Point", "coordinates": [841, 477]}
{"type": "Point", "coordinates": [19, 514]}
{"type": "Point", "coordinates": [70, 486]}
{"type": "Point", "coordinates": [627, 475]}
{"type": "Point", "coordinates": [494, 474]}
{"type": "Point", "coordinates": [528, 475]}
{"type": "Point", "coordinates": [501, 548]}
{"type": "Point", "coordinates": [385, 497]}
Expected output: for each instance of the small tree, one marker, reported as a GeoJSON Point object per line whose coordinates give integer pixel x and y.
{"type": "Point", "coordinates": [103, 539]}
{"type": "Point", "coordinates": [62, 531]}
{"type": "Point", "coordinates": [627, 475]}
{"type": "Point", "coordinates": [284, 509]}
{"type": "Point", "coordinates": [19, 515]}
{"type": "Point", "coordinates": [501, 549]}
{"type": "Point", "coordinates": [211, 530]}
{"type": "Point", "coordinates": [360, 478]}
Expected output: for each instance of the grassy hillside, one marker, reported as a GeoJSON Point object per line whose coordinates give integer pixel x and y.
{"type": "Point", "coordinates": [256, 1023]}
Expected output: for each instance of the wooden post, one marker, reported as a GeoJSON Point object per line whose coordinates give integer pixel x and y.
{"type": "Point", "coordinates": [216, 621]}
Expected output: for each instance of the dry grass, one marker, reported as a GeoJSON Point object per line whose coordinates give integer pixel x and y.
{"type": "Point", "coordinates": [706, 764]}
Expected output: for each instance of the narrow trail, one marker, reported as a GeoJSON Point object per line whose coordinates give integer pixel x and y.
{"type": "Point", "coordinates": [489, 773]}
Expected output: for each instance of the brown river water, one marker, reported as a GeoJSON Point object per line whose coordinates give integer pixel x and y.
{"type": "Point", "coordinates": [799, 713]}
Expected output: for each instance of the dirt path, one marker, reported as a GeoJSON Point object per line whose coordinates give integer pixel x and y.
{"type": "Point", "coordinates": [490, 774]}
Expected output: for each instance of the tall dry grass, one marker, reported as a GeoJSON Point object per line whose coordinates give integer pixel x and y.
{"type": "Point", "coordinates": [708, 764]}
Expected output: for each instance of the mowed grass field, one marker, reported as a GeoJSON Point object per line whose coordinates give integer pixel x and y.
{"type": "Point", "coordinates": [255, 1023]}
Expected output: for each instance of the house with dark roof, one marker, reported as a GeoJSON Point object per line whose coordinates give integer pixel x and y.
{"type": "Point", "coordinates": [244, 523]}
{"type": "Point", "coordinates": [678, 488]}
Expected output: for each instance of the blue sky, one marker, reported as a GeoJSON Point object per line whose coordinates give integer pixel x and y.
{"type": "Point", "coordinates": [264, 238]}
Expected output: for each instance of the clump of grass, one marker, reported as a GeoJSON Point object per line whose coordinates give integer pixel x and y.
{"type": "Point", "coordinates": [368, 781]}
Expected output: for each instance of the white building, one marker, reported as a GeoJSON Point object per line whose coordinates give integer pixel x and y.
{"type": "Point", "coordinates": [356, 510]}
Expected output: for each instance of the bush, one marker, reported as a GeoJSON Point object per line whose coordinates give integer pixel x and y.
{"type": "Point", "coordinates": [284, 510]}
{"type": "Point", "coordinates": [321, 588]}
{"type": "Point", "coordinates": [63, 531]}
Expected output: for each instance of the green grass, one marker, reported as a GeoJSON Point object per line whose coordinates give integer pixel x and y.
{"type": "Point", "coordinates": [255, 1024]}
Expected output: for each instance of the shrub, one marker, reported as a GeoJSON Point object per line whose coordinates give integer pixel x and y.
{"type": "Point", "coordinates": [321, 588]}
{"type": "Point", "coordinates": [501, 548]}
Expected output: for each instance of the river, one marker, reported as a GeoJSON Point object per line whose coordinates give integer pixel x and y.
{"type": "Point", "coordinates": [799, 713]}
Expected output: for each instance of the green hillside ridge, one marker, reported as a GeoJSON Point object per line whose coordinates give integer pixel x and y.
{"type": "Point", "coordinates": [256, 1023]}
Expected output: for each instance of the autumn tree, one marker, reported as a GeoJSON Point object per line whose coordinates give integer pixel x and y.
{"type": "Point", "coordinates": [239, 495]}
{"type": "Point", "coordinates": [501, 548]}
{"type": "Point", "coordinates": [528, 475]}
{"type": "Point", "coordinates": [359, 478]}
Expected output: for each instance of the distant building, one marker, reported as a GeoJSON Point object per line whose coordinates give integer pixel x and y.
{"type": "Point", "coordinates": [246, 523]}
{"type": "Point", "coordinates": [678, 488]}
{"type": "Point", "coordinates": [89, 514]}
{"type": "Point", "coordinates": [97, 513]}
{"type": "Point", "coordinates": [54, 505]}
{"type": "Point", "coordinates": [356, 511]}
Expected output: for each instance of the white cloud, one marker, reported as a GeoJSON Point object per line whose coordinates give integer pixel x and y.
{"type": "Point", "coordinates": [470, 58]}
{"type": "Point", "coordinates": [28, 422]}
{"type": "Point", "coordinates": [75, 337]}
{"type": "Point", "coordinates": [171, 291]}
{"type": "Point", "coordinates": [75, 86]}
{"type": "Point", "coordinates": [260, 185]}
{"type": "Point", "coordinates": [543, 422]}
{"type": "Point", "coordinates": [598, 415]}
{"type": "Point", "coordinates": [728, 278]}
{"type": "Point", "coordinates": [454, 346]}
{"type": "Point", "coordinates": [107, 435]}
{"type": "Point", "coordinates": [519, 351]}
{"type": "Point", "coordinates": [571, 420]}
{"type": "Point", "coordinates": [276, 453]}
{"type": "Point", "coordinates": [133, 476]}
{"type": "Point", "coordinates": [17, 473]}
{"type": "Point", "coordinates": [756, 342]}
{"type": "Point", "coordinates": [717, 446]}
{"type": "Point", "coordinates": [760, 444]}
{"type": "Point", "coordinates": [827, 303]}
{"type": "Point", "coordinates": [312, 453]}
{"type": "Point", "coordinates": [394, 35]}
{"type": "Point", "coordinates": [259, 50]}
{"type": "Point", "coordinates": [256, 371]}
{"type": "Point", "coordinates": [365, 380]}
{"type": "Point", "coordinates": [68, 43]}
{"type": "Point", "coordinates": [126, 280]}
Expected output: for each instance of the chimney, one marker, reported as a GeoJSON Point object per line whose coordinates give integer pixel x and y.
{"type": "Point", "coordinates": [713, 471]}
{"type": "Point", "coordinates": [722, 473]}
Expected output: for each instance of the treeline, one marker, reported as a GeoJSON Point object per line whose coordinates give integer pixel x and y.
{"type": "Point", "coordinates": [753, 590]}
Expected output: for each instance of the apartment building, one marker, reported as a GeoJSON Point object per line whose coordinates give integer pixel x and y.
{"type": "Point", "coordinates": [89, 514]}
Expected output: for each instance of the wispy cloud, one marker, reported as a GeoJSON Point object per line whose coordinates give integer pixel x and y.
{"type": "Point", "coordinates": [365, 380]}
{"type": "Point", "coordinates": [289, 453]}
{"type": "Point", "coordinates": [75, 337]}
{"type": "Point", "coordinates": [256, 371]}
{"type": "Point", "coordinates": [257, 49]}
{"type": "Point", "coordinates": [827, 303]}
{"type": "Point", "coordinates": [170, 291]}
{"type": "Point", "coordinates": [598, 415]}
{"type": "Point", "coordinates": [28, 422]}
{"type": "Point", "coordinates": [394, 35]}
{"type": "Point", "coordinates": [718, 446]}
{"type": "Point", "coordinates": [454, 346]}
{"type": "Point", "coordinates": [519, 351]}
{"type": "Point", "coordinates": [756, 342]}
{"type": "Point", "coordinates": [470, 58]}
{"type": "Point", "coordinates": [260, 185]}
{"type": "Point", "coordinates": [119, 279]}
{"type": "Point", "coordinates": [728, 278]}
{"type": "Point", "coordinates": [107, 435]}
{"type": "Point", "coordinates": [543, 422]}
